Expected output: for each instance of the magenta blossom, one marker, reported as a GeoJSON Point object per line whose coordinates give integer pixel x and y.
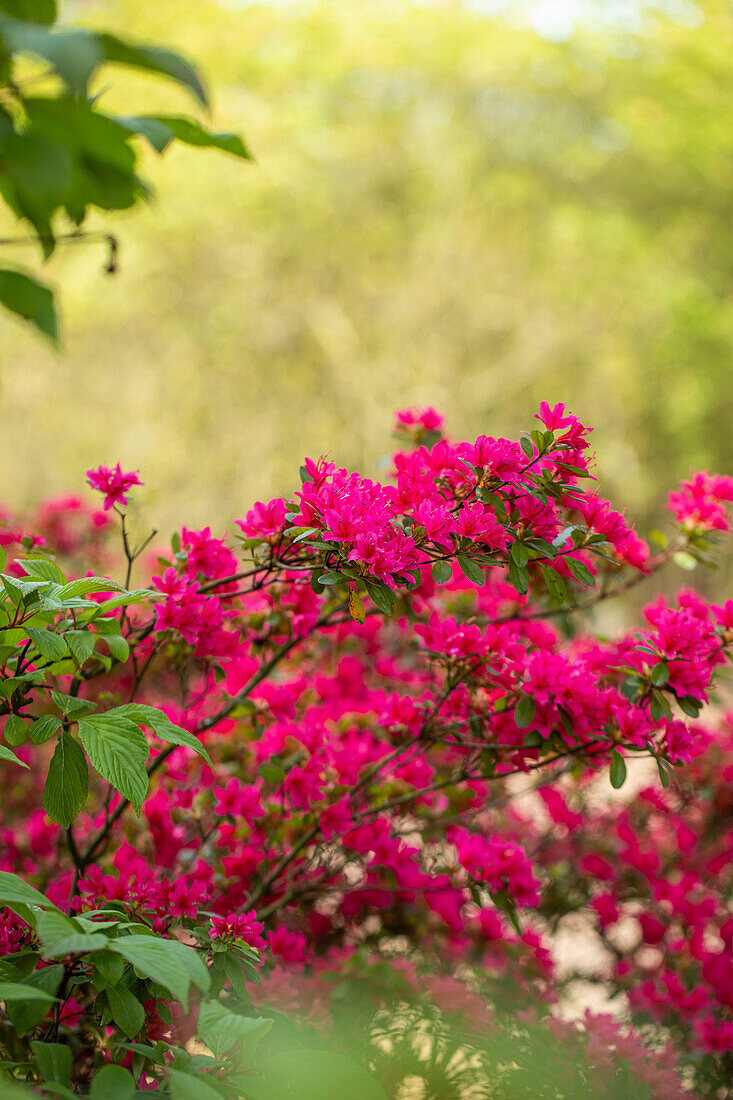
{"type": "Point", "coordinates": [113, 483]}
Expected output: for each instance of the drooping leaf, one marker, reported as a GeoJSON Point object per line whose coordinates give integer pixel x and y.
{"type": "Point", "coordinates": [53, 1061]}
{"type": "Point", "coordinates": [154, 60]}
{"type": "Point", "coordinates": [67, 781]}
{"type": "Point", "coordinates": [73, 52]}
{"type": "Point", "coordinates": [25, 1015]}
{"type": "Point", "coordinates": [161, 726]}
{"type": "Point", "coordinates": [31, 300]}
{"type": "Point", "coordinates": [127, 1012]}
{"type": "Point", "coordinates": [118, 750]}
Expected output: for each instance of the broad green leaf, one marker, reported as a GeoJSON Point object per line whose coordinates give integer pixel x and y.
{"type": "Point", "coordinates": [81, 644]}
{"type": "Point", "coordinates": [190, 1086]}
{"type": "Point", "coordinates": [524, 711]}
{"type": "Point", "coordinates": [8, 754]}
{"type": "Point", "coordinates": [162, 726]}
{"type": "Point", "coordinates": [118, 750]}
{"type": "Point", "coordinates": [155, 60]}
{"type": "Point", "coordinates": [118, 647]}
{"type": "Point", "coordinates": [127, 1012]}
{"type": "Point", "coordinates": [25, 1015]}
{"type": "Point", "coordinates": [73, 53]}
{"type": "Point", "coordinates": [13, 889]}
{"type": "Point", "coordinates": [44, 728]}
{"type": "Point", "coordinates": [112, 1083]}
{"type": "Point", "coordinates": [31, 300]}
{"type": "Point", "coordinates": [519, 553]}
{"type": "Point", "coordinates": [17, 991]}
{"type": "Point", "coordinates": [221, 1030]}
{"type": "Point", "coordinates": [67, 781]}
{"type": "Point", "coordinates": [15, 731]}
{"type": "Point", "coordinates": [660, 674]}
{"type": "Point", "coordinates": [42, 569]}
{"type": "Point", "coordinates": [60, 936]}
{"type": "Point", "coordinates": [617, 771]}
{"type": "Point", "coordinates": [555, 584]}
{"type": "Point", "coordinates": [51, 646]}
{"type": "Point", "coordinates": [442, 572]}
{"type": "Point", "coordinates": [53, 1060]}
{"type": "Point", "coordinates": [149, 955]}
{"type": "Point", "coordinates": [110, 967]}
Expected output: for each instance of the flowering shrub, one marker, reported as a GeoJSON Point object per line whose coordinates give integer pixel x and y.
{"type": "Point", "coordinates": [281, 775]}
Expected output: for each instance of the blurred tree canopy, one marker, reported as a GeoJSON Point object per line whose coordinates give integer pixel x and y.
{"type": "Point", "coordinates": [446, 208]}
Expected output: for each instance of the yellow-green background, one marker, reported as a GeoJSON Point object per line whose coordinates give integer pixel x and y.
{"type": "Point", "coordinates": [445, 209]}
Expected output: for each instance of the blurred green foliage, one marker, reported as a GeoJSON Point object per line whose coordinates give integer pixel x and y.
{"type": "Point", "coordinates": [446, 208]}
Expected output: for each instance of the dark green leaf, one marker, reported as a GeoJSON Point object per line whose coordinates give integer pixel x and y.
{"type": "Point", "coordinates": [32, 11]}
{"type": "Point", "coordinates": [29, 299]}
{"type": "Point", "coordinates": [17, 991]}
{"type": "Point", "coordinates": [580, 571]}
{"type": "Point", "coordinates": [442, 572]}
{"type": "Point", "coordinates": [127, 1012]}
{"type": "Point", "coordinates": [690, 705]}
{"type": "Point", "coordinates": [67, 782]}
{"type": "Point", "coordinates": [73, 53]}
{"type": "Point", "coordinates": [617, 771]}
{"type": "Point", "coordinates": [53, 1060]}
{"type": "Point", "coordinates": [25, 1015]}
{"type": "Point", "coordinates": [160, 130]}
{"type": "Point", "coordinates": [471, 569]}
{"type": "Point", "coordinates": [221, 1030]}
{"type": "Point", "coordinates": [16, 730]}
{"type": "Point", "coordinates": [380, 594]}
{"type": "Point", "coordinates": [271, 773]}
{"type": "Point", "coordinates": [112, 1083]}
{"type": "Point", "coordinates": [519, 553]}
{"type": "Point", "coordinates": [660, 674]}
{"type": "Point", "coordinates": [52, 647]}
{"type": "Point", "coordinates": [524, 712]}
{"type": "Point", "coordinates": [519, 577]}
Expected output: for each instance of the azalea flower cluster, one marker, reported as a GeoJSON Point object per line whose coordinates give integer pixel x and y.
{"type": "Point", "coordinates": [375, 670]}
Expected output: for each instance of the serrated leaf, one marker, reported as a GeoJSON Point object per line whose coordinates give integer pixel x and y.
{"type": "Point", "coordinates": [161, 726]}
{"type": "Point", "coordinates": [118, 750]}
{"type": "Point", "coordinates": [44, 728]}
{"type": "Point", "coordinates": [81, 644]}
{"type": "Point", "coordinates": [15, 731]}
{"type": "Point", "coordinates": [51, 646]}
{"type": "Point", "coordinates": [67, 782]}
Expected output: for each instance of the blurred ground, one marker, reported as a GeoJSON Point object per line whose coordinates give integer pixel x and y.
{"type": "Point", "coordinates": [446, 208]}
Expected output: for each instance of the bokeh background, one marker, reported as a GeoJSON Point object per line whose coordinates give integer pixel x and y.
{"type": "Point", "coordinates": [473, 205]}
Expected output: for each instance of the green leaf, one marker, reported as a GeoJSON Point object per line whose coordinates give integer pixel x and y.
{"type": "Point", "coordinates": [127, 1012]}
{"type": "Point", "coordinates": [67, 781]}
{"type": "Point", "coordinates": [81, 644]}
{"type": "Point", "coordinates": [112, 1083]}
{"type": "Point", "coordinates": [16, 730]}
{"type": "Point", "coordinates": [617, 771]}
{"type": "Point", "coordinates": [109, 967]}
{"type": "Point", "coordinates": [555, 584]}
{"type": "Point", "coordinates": [519, 577]}
{"type": "Point", "coordinates": [52, 647]}
{"type": "Point", "coordinates": [526, 445]}
{"type": "Point", "coordinates": [31, 300]}
{"type": "Point", "coordinates": [221, 1030]}
{"type": "Point", "coordinates": [660, 674]}
{"type": "Point", "coordinates": [190, 1086]}
{"type": "Point", "coordinates": [310, 1074]}
{"type": "Point", "coordinates": [8, 754]}
{"type": "Point", "coordinates": [331, 577]}
{"type": "Point", "coordinates": [61, 936]}
{"type": "Point", "coordinates": [380, 594]}
{"type": "Point", "coordinates": [684, 560]}
{"type": "Point", "coordinates": [659, 706]}
{"type": "Point", "coordinates": [44, 728]}
{"type": "Point", "coordinates": [32, 11]}
{"type": "Point", "coordinates": [17, 991]}
{"type": "Point", "coordinates": [118, 647]}
{"type": "Point", "coordinates": [73, 53]}
{"type": "Point", "coordinates": [663, 775]}
{"type": "Point", "coordinates": [25, 1015]}
{"type": "Point", "coordinates": [580, 571]}
{"type": "Point", "coordinates": [519, 553]}
{"type": "Point", "coordinates": [690, 705]}
{"type": "Point", "coordinates": [271, 773]}
{"type": "Point", "coordinates": [118, 750]}
{"type": "Point", "coordinates": [162, 726]}
{"type": "Point", "coordinates": [161, 130]}
{"type": "Point", "coordinates": [53, 1061]}
{"type": "Point", "coordinates": [13, 889]}
{"type": "Point", "coordinates": [471, 569]}
{"type": "Point", "coordinates": [154, 60]}
{"type": "Point", "coordinates": [42, 569]}
{"type": "Point", "coordinates": [442, 572]}
{"type": "Point", "coordinates": [524, 712]}
{"type": "Point", "coordinates": [148, 955]}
